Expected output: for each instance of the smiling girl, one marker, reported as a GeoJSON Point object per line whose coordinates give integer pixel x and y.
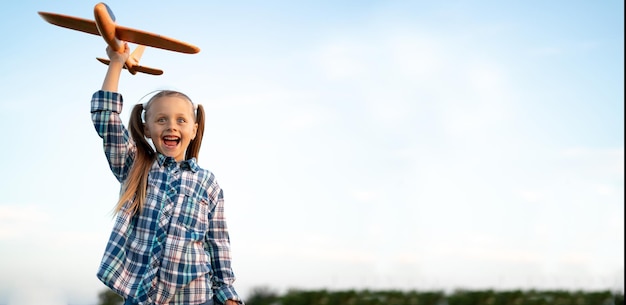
{"type": "Point", "coordinates": [169, 243]}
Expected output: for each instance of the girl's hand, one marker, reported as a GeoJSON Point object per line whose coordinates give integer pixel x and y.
{"type": "Point", "coordinates": [120, 56]}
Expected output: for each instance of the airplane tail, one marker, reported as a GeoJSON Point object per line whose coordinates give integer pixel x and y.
{"type": "Point", "coordinates": [133, 61]}
{"type": "Point", "coordinates": [141, 69]}
{"type": "Point", "coordinates": [137, 53]}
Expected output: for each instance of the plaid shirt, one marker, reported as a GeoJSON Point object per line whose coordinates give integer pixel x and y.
{"type": "Point", "coordinates": [177, 250]}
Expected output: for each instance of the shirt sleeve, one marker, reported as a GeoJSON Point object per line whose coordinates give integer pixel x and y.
{"type": "Point", "coordinates": [118, 147]}
{"type": "Point", "coordinates": [217, 242]}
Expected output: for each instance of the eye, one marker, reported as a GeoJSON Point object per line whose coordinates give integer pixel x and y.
{"type": "Point", "coordinates": [181, 120]}
{"type": "Point", "coordinates": [160, 120]}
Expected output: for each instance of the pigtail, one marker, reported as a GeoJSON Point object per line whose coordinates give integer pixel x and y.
{"type": "Point", "coordinates": [136, 183]}
{"type": "Point", "coordinates": [194, 146]}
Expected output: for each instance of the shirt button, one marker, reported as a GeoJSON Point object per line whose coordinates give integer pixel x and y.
{"type": "Point", "coordinates": [171, 191]}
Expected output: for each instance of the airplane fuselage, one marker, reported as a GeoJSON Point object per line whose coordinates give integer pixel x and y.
{"type": "Point", "coordinates": [105, 22]}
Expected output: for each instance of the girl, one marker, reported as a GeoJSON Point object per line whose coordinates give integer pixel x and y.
{"type": "Point", "coordinates": [170, 243]}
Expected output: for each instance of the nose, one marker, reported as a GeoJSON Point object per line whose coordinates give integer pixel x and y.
{"type": "Point", "coordinates": [171, 126]}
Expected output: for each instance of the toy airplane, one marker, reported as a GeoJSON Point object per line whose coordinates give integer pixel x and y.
{"type": "Point", "coordinates": [114, 35]}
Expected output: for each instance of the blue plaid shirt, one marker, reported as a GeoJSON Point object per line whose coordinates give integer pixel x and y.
{"type": "Point", "coordinates": [177, 250]}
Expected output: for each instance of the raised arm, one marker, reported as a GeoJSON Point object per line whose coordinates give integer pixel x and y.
{"type": "Point", "coordinates": [112, 78]}
{"type": "Point", "coordinates": [106, 106]}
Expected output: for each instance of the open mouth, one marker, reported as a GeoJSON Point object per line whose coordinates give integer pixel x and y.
{"type": "Point", "coordinates": [171, 141]}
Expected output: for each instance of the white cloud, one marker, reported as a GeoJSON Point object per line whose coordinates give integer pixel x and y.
{"type": "Point", "coordinates": [18, 221]}
{"type": "Point", "coordinates": [605, 160]}
{"type": "Point", "coordinates": [367, 196]}
{"type": "Point", "coordinates": [532, 196]}
{"type": "Point", "coordinates": [415, 55]}
{"type": "Point", "coordinates": [22, 213]}
{"type": "Point", "coordinates": [342, 60]}
{"type": "Point", "coordinates": [410, 81]}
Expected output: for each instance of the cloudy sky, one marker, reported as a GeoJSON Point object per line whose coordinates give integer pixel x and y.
{"type": "Point", "coordinates": [360, 144]}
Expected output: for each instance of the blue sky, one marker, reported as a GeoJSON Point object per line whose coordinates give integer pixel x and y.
{"type": "Point", "coordinates": [362, 144]}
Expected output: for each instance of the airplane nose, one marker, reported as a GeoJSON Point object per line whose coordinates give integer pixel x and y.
{"type": "Point", "coordinates": [109, 11]}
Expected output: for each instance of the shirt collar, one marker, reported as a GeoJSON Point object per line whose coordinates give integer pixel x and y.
{"type": "Point", "coordinates": [189, 164]}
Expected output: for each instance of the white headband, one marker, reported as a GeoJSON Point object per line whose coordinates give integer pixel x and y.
{"type": "Point", "coordinates": [148, 97]}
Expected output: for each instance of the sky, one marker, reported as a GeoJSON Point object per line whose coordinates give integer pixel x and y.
{"type": "Point", "coordinates": [414, 145]}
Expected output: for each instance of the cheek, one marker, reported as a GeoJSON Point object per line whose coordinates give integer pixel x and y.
{"type": "Point", "coordinates": [151, 130]}
{"type": "Point", "coordinates": [189, 129]}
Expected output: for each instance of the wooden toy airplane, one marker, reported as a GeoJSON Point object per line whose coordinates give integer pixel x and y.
{"type": "Point", "coordinates": [114, 35]}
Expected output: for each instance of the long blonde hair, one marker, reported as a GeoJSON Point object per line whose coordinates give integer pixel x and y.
{"type": "Point", "coordinates": [136, 184]}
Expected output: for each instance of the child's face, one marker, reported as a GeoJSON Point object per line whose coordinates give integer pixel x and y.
{"type": "Point", "coordinates": [171, 124]}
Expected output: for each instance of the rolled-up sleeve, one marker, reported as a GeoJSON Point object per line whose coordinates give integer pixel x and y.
{"type": "Point", "coordinates": [118, 147]}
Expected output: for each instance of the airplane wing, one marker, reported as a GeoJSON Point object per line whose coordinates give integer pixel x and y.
{"type": "Point", "coordinates": [154, 40]}
{"type": "Point", "coordinates": [70, 22]}
{"type": "Point", "coordinates": [122, 33]}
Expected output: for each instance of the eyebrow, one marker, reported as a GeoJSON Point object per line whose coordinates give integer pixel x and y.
{"type": "Point", "coordinates": [176, 114]}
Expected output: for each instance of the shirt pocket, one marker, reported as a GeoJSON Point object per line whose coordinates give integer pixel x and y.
{"type": "Point", "coordinates": [194, 213]}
